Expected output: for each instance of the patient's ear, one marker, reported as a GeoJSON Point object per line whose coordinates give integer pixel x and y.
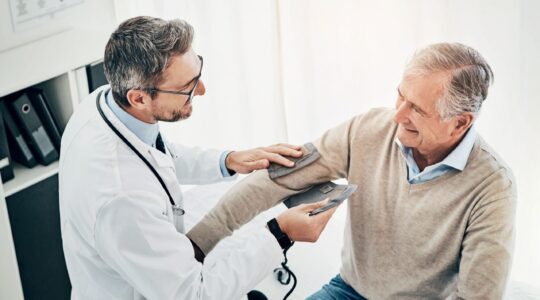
{"type": "Point", "coordinates": [462, 123]}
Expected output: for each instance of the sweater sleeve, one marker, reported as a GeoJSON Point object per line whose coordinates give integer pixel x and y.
{"type": "Point", "coordinates": [257, 192]}
{"type": "Point", "coordinates": [487, 249]}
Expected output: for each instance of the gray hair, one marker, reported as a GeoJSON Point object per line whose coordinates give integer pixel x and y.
{"type": "Point", "coordinates": [138, 53]}
{"type": "Point", "coordinates": [469, 76]}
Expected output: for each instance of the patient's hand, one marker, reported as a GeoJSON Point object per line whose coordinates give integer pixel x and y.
{"type": "Point", "coordinates": [248, 161]}
{"type": "Point", "coordinates": [299, 226]}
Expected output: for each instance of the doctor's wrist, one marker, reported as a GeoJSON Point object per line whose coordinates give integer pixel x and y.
{"type": "Point", "coordinates": [199, 254]}
{"type": "Point", "coordinates": [281, 237]}
{"type": "Point", "coordinates": [227, 163]}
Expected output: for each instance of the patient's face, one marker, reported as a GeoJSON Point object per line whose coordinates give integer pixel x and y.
{"type": "Point", "coordinates": [419, 124]}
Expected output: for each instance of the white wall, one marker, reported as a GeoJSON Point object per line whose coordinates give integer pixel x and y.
{"type": "Point", "coordinates": [72, 39]}
{"type": "Point", "coordinates": [243, 105]}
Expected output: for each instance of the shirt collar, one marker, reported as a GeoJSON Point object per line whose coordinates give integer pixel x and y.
{"type": "Point", "coordinates": [146, 132]}
{"type": "Point", "coordinates": [458, 158]}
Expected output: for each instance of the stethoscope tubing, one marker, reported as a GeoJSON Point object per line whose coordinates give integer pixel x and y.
{"type": "Point", "coordinates": [124, 139]}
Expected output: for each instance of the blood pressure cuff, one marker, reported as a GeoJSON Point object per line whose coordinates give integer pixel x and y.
{"type": "Point", "coordinates": [310, 155]}
{"type": "Point", "coordinates": [319, 192]}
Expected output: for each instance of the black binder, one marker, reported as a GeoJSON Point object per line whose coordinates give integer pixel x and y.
{"type": "Point", "coordinates": [33, 130]}
{"type": "Point", "coordinates": [6, 167]}
{"type": "Point", "coordinates": [96, 76]}
{"type": "Point", "coordinates": [19, 150]}
{"type": "Point", "coordinates": [46, 115]}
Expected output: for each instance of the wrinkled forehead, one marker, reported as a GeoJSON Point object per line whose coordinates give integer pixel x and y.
{"type": "Point", "coordinates": [425, 89]}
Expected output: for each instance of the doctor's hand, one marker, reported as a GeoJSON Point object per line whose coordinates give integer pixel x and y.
{"type": "Point", "coordinates": [247, 161]}
{"type": "Point", "coordinates": [299, 226]}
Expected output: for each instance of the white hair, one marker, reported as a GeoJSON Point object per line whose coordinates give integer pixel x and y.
{"type": "Point", "coordinates": [469, 76]}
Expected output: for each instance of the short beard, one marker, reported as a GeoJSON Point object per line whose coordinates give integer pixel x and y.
{"type": "Point", "coordinates": [174, 116]}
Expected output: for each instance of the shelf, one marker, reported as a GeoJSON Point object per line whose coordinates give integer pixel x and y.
{"type": "Point", "coordinates": [59, 93]}
{"type": "Point", "coordinates": [25, 177]}
{"type": "Point", "coordinates": [53, 49]}
{"type": "Point", "coordinates": [51, 56]}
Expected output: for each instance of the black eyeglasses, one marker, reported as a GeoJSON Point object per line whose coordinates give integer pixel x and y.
{"type": "Point", "coordinates": [190, 93]}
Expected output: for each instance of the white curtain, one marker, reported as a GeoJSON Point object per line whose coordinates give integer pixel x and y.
{"type": "Point", "coordinates": [288, 70]}
{"type": "Point", "coordinates": [243, 106]}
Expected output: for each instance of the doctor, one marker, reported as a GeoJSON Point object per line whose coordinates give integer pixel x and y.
{"type": "Point", "coordinates": [120, 198]}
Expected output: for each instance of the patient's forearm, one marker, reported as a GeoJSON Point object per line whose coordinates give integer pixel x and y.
{"type": "Point", "coordinates": [257, 192]}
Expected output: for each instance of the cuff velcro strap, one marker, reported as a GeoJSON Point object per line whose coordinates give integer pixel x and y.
{"type": "Point", "coordinates": [310, 155]}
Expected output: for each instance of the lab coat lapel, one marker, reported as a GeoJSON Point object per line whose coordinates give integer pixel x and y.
{"type": "Point", "coordinates": [130, 136]}
{"type": "Point", "coordinates": [163, 163]}
{"type": "Point", "coordinates": [161, 159]}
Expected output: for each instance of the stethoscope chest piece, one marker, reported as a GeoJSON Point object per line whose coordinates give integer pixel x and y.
{"type": "Point", "coordinates": [178, 211]}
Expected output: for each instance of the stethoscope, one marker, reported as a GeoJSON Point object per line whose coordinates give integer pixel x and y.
{"type": "Point", "coordinates": [177, 210]}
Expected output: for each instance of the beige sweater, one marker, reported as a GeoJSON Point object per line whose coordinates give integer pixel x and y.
{"type": "Point", "coordinates": [448, 237]}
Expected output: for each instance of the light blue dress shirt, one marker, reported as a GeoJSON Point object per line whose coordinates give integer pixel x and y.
{"type": "Point", "coordinates": [457, 159]}
{"type": "Point", "coordinates": [148, 132]}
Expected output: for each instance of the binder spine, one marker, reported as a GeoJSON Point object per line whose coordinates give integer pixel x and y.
{"type": "Point", "coordinates": [46, 115]}
{"type": "Point", "coordinates": [18, 147]}
{"type": "Point", "coordinates": [33, 130]}
{"type": "Point", "coordinates": [6, 167]}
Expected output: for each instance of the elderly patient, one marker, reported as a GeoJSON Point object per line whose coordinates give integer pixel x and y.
{"type": "Point", "coordinates": [433, 216]}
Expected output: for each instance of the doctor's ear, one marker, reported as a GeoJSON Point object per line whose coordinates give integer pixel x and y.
{"type": "Point", "coordinates": [138, 98]}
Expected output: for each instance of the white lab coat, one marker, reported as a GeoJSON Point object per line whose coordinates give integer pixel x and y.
{"type": "Point", "coordinates": [117, 225]}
